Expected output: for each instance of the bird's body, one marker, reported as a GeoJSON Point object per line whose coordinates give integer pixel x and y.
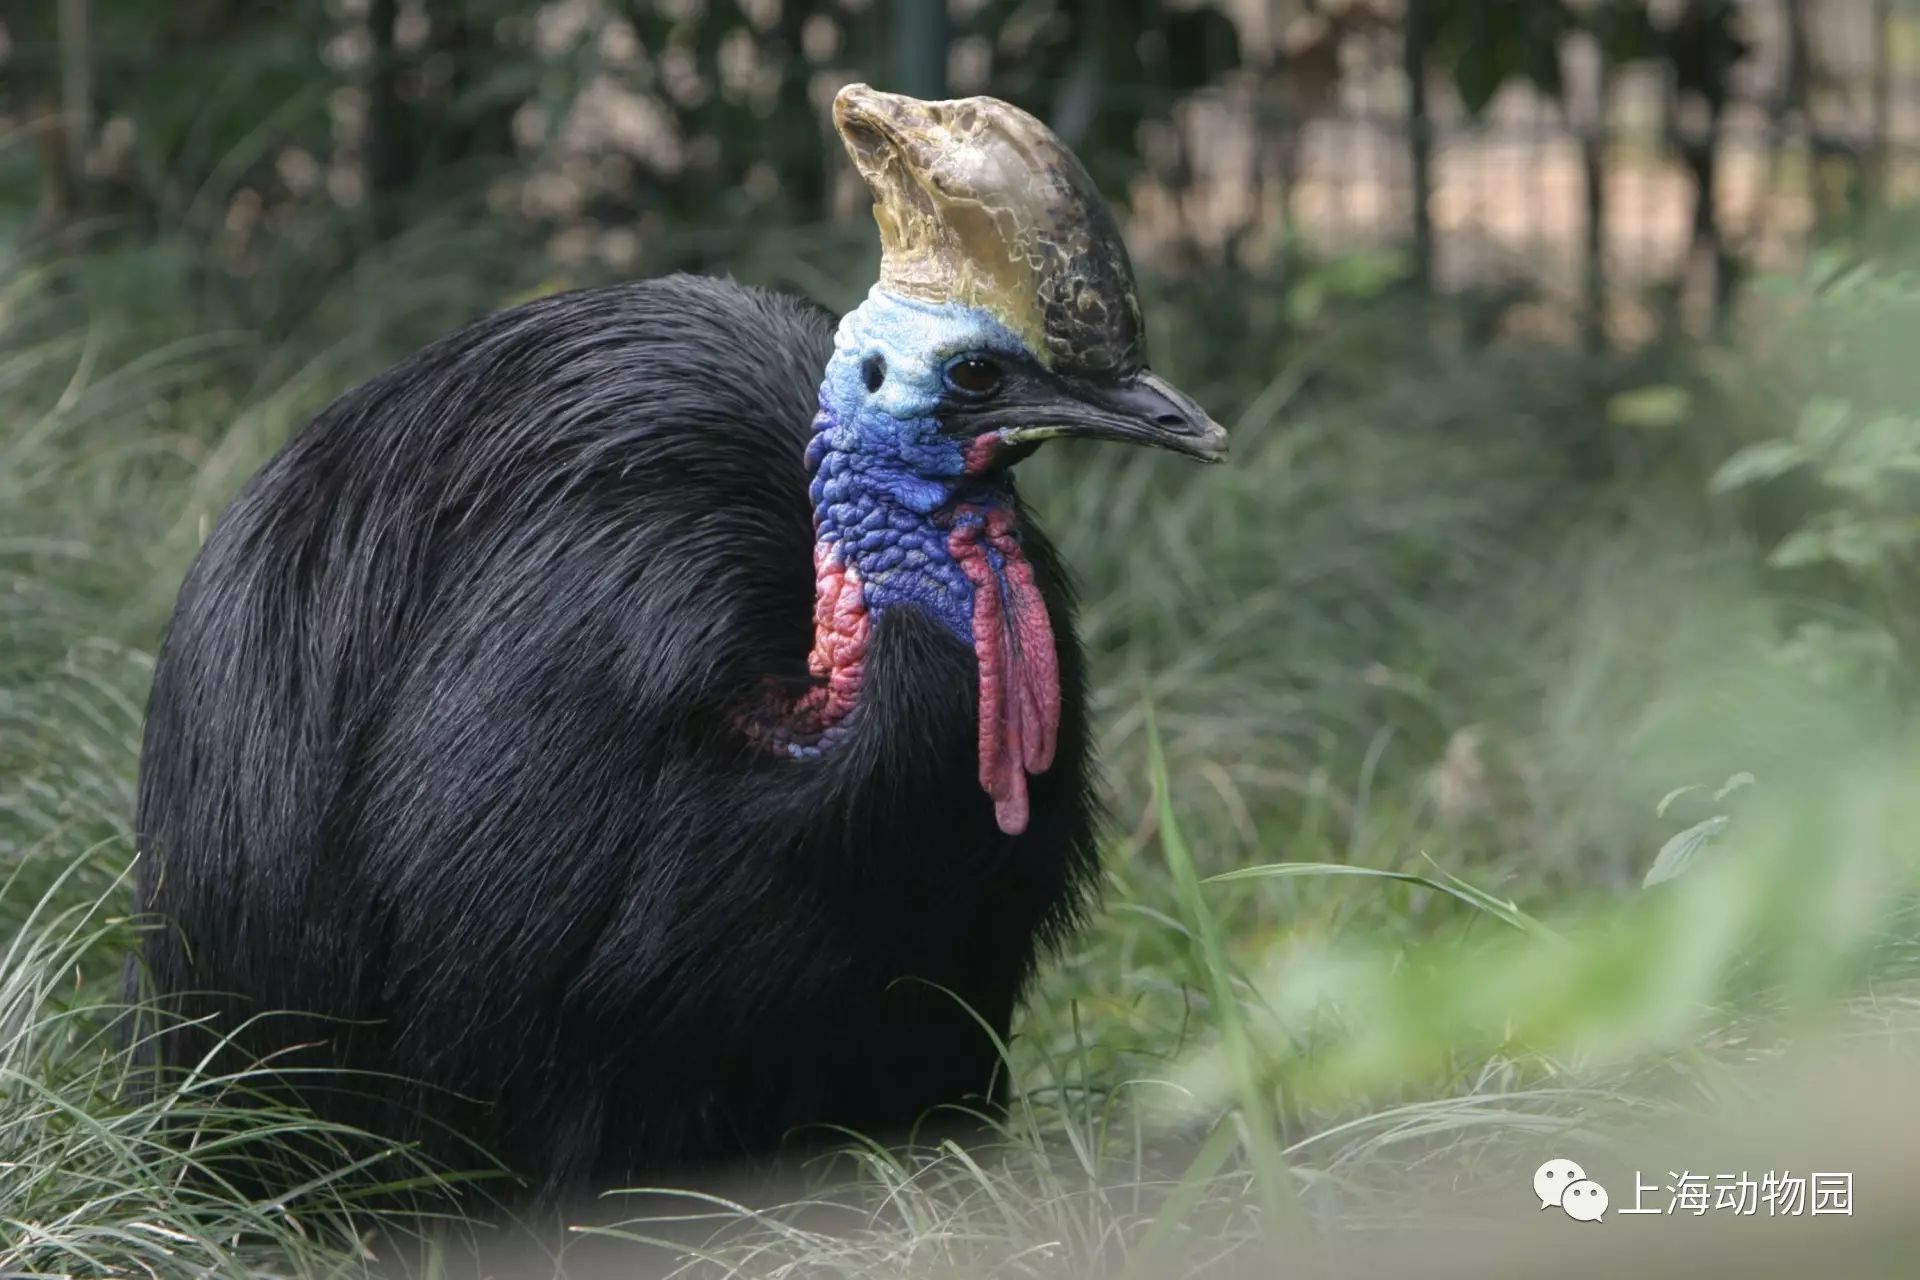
{"type": "Point", "coordinates": [647, 722]}
{"type": "Point", "coordinates": [513, 825]}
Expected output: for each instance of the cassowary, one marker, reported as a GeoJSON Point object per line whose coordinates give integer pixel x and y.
{"type": "Point", "coordinates": [606, 740]}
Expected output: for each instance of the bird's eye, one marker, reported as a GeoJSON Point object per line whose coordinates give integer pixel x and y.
{"type": "Point", "coordinates": [975, 376]}
{"type": "Point", "coordinates": [873, 370]}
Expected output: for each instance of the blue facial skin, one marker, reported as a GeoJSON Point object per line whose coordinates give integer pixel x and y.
{"type": "Point", "coordinates": [885, 479]}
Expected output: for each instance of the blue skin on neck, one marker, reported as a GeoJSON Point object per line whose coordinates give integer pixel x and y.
{"type": "Point", "coordinates": [882, 469]}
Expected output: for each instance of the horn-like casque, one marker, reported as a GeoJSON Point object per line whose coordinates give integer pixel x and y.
{"type": "Point", "coordinates": [979, 203]}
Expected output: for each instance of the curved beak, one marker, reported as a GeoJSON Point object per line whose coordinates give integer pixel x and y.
{"type": "Point", "coordinates": [1143, 409]}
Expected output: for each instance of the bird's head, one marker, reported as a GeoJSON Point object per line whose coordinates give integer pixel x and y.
{"type": "Point", "coordinates": [1006, 312]}
{"type": "Point", "coordinates": [1005, 316]}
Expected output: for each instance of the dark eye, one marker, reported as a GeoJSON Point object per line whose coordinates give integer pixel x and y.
{"type": "Point", "coordinates": [874, 371]}
{"type": "Point", "coordinates": [975, 376]}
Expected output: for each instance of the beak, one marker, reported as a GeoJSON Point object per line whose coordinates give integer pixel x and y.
{"type": "Point", "coordinates": [1142, 409]}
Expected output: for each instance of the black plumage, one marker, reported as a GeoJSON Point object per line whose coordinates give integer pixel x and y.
{"type": "Point", "coordinates": [444, 749]}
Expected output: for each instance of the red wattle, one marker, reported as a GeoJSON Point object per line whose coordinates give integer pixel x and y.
{"type": "Point", "coordinates": [1019, 671]}
{"type": "Point", "coordinates": [842, 627]}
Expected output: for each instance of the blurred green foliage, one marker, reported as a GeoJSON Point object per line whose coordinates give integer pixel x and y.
{"type": "Point", "coordinates": [1838, 481]}
{"type": "Point", "coordinates": [596, 131]}
{"type": "Point", "coordinates": [656, 115]}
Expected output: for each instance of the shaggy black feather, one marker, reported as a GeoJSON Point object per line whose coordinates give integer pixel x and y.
{"type": "Point", "coordinates": [443, 749]}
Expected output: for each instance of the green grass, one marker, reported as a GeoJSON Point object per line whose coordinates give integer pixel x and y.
{"type": "Point", "coordinates": [1387, 705]}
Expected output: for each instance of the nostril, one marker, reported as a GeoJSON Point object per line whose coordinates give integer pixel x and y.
{"type": "Point", "coordinates": [1171, 421]}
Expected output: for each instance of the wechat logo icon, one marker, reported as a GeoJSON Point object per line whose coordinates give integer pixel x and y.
{"type": "Point", "coordinates": [1564, 1185]}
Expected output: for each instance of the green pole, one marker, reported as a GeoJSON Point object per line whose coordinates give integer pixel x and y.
{"type": "Point", "coordinates": [918, 37]}
{"type": "Point", "coordinates": [1419, 138]}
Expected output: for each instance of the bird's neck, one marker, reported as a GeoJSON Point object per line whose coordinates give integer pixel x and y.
{"type": "Point", "coordinates": [948, 548]}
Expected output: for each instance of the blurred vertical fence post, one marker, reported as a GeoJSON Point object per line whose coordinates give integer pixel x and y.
{"type": "Point", "coordinates": [1593, 159]}
{"type": "Point", "coordinates": [382, 145]}
{"type": "Point", "coordinates": [919, 48]}
{"type": "Point", "coordinates": [76, 100]}
{"type": "Point", "coordinates": [1796, 97]}
{"type": "Point", "coordinates": [1880, 156]}
{"type": "Point", "coordinates": [1414, 38]}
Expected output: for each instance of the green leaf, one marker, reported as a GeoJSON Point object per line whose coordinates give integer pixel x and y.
{"type": "Point", "coordinates": [1802, 548]}
{"type": "Point", "coordinates": [1666, 801]}
{"type": "Point", "coordinates": [1841, 538]}
{"type": "Point", "coordinates": [1823, 422]}
{"type": "Point", "coordinates": [1679, 853]}
{"type": "Point", "coordinates": [1757, 463]}
{"type": "Point", "coordinates": [1872, 455]}
{"type": "Point", "coordinates": [1650, 408]}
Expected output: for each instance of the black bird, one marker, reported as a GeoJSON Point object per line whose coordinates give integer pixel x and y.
{"type": "Point", "coordinates": [644, 745]}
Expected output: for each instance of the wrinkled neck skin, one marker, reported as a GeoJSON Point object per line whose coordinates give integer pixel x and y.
{"type": "Point", "coordinates": [906, 518]}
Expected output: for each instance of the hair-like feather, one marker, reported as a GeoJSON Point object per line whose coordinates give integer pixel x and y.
{"type": "Point", "coordinates": [445, 749]}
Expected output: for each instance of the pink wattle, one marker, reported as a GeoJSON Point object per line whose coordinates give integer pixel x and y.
{"type": "Point", "coordinates": [841, 627]}
{"type": "Point", "coordinates": [1019, 672]}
